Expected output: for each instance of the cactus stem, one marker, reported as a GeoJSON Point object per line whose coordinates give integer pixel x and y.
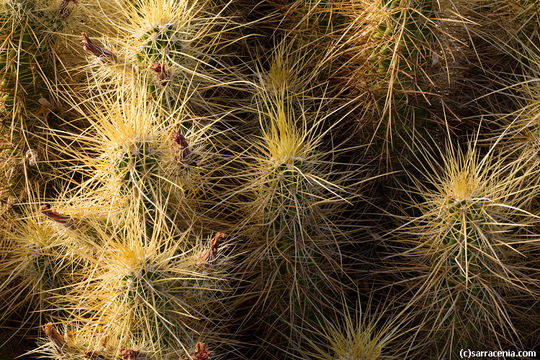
{"type": "Point", "coordinates": [64, 10]}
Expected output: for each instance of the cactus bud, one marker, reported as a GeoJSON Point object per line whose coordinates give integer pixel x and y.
{"type": "Point", "coordinates": [162, 73]}
{"type": "Point", "coordinates": [65, 220]}
{"type": "Point", "coordinates": [130, 354]}
{"type": "Point", "coordinates": [183, 147]}
{"type": "Point", "coordinates": [201, 352]}
{"type": "Point", "coordinates": [106, 56]}
{"type": "Point", "coordinates": [55, 337]}
{"type": "Point", "coordinates": [210, 255]}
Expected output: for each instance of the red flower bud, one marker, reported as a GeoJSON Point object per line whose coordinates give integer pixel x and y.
{"type": "Point", "coordinates": [106, 56]}
{"type": "Point", "coordinates": [211, 253]}
{"type": "Point", "coordinates": [161, 72]}
{"type": "Point", "coordinates": [183, 146]}
{"type": "Point", "coordinates": [65, 220]}
{"type": "Point", "coordinates": [201, 352]}
{"type": "Point", "coordinates": [54, 336]}
{"type": "Point", "coordinates": [130, 354]}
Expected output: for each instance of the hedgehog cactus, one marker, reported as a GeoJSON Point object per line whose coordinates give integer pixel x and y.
{"type": "Point", "coordinates": [400, 61]}
{"type": "Point", "coordinates": [167, 47]}
{"type": "Point", "coordinates": [474, 240]}
{"type": "Point", "coordinates": [519, 131]}
{"type": "Point", "coordinates": [18, 62]}
{"type": "Point", "coordinates": [39, 263]}
{"type": "Point", "coordinates": [25, 63]}
{"type": "Point", "coordinates": [355, 334]}
{"type": "Point", "coordinates": [380, 61]}
{"type": "Point", "coordinates": [184, 179]}
{"type": "Point", "coordinates": [136, 158]}
{"type": "Point", "coordinates": [294, 196]}
{"type": "Point", "coordinates": [26, 26]}
{"type": "Point", "coordinates": [78, 343]}
{"type": "Point", "coordinates": [148, 291]}
{"type": "Point", "coordinates": [410, 20]}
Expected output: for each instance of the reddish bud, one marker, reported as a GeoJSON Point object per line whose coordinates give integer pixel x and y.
{"type": "Point", "coordinates": [201, 352]}
{"type": "Point", "coordinates": [65, 220]}
{"type": "Point", "coordinates": [183, 146]}
{"type": "Point", "coordinates": [54, 336]}
{"type": "Point", "coordinates": [130, 354]}
{"type": "Point", "coordinates": [180, 140]}
{"type": "Point", "coordinates": [104, 55]}
{"type": "Point", "coordinates": [161, 72]}
{"type": "Point", "coordinates": [211, 253]}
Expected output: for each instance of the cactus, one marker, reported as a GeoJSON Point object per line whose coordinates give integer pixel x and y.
{"type": "Point", "coordinates": [168, 48]}
{"type": "Point", "coordinates": [294, 196]}
{"type": "Point", "coordinates": [185, 179]}
{"type": "Point", "coordinates": [83, 343]}
{"type": "Point", "coordinates": [359, 333]}
{"type": "Point", "coordinates": [399, 62]}
{"type": "Point", "coordinates": [138, 158]}
{"type": "Point", "coordinates": [25, 65]}
{"type": "Point", "coordinates": [148, 290]}
{"type": "Point", "coordinates": [519, 131]}
{"type": "Point", "coordinates": [78, 343]}
{"type": "Point", "coordinates": [473, 237]}
{"type": "Point", "coordinates": [27, 29]}
{"type": "Point", "coordinates": [39, 263]}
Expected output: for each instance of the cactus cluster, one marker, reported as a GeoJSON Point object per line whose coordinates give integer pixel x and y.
{"type": "Point", "coordinates": [202, 180]}
{"type": "Point", "coordinates": [470, 239]}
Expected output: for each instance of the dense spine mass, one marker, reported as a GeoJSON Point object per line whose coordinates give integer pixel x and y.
{"type": "Point", "coordinates": [322, 180]}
